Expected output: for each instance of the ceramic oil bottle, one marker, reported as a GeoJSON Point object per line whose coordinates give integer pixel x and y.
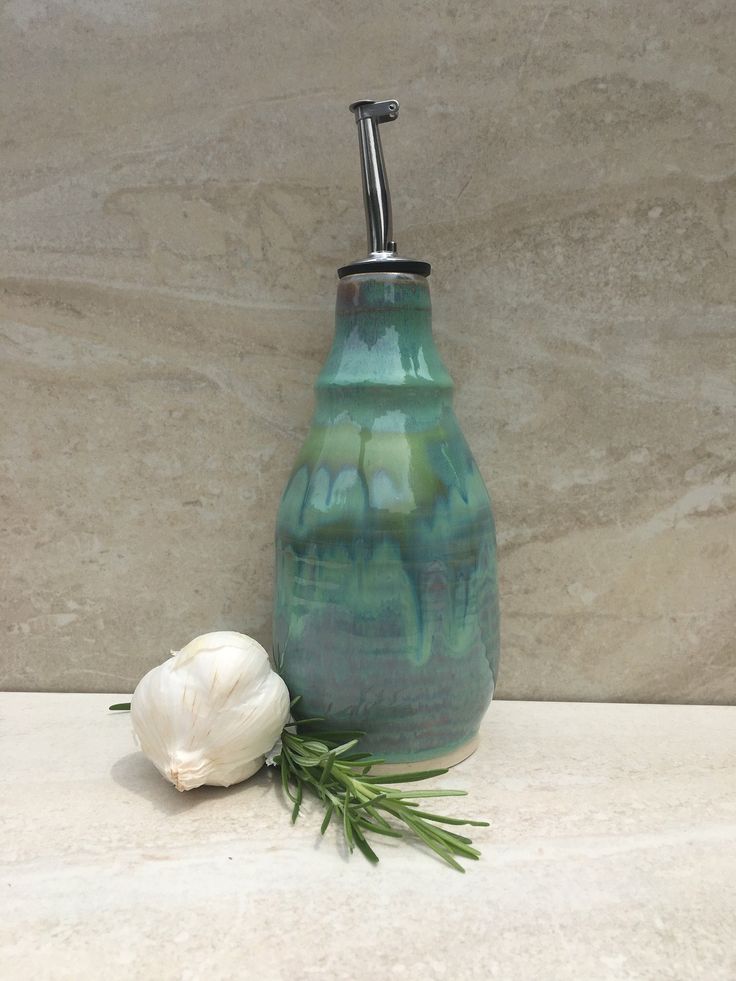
{"type": "Point", "coordinates": [386, 600]}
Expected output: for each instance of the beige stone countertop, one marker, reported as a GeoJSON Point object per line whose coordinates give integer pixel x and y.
{"type": "Point", "coordinates": [611, 855]}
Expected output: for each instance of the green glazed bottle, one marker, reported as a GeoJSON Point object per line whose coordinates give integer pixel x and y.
{"type": "Point", "coordinates": [386, 599]}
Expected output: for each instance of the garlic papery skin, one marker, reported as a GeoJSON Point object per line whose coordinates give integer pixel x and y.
{"type": "Point", "coordinates": [211, 712]}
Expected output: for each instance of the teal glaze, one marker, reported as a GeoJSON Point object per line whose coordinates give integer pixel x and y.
{"type": "Point", "coordinates": [386, 602]}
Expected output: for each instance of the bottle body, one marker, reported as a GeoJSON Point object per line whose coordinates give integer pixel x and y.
{"type": "Point", "coordinates": [386, 600]}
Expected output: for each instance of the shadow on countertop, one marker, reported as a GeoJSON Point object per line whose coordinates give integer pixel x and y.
{"type": "Point", "coordinates": [137, 774]}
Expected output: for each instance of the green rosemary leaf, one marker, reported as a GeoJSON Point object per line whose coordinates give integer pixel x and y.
{"type": "Point", "coordinates": [297, 802]}
{"type": "Point", "coordinates": [459, 841]}
{"type": "Point", "coordinates": [327, 818]}
{"type": "Point", "coordinates": [339, 750]}
{"type": "Point", "coordinates": [346, 822]}
{"type": "Point", "coordinates": [416, 794]}
{"type": "Point", "coordinates": [326, 768]}
{"type": "Point", "coordinates": [120, 707]}
{"type": "Point", "coordinates": [405, 777]}
{"type": "Point", "coordinates": [364, 846]}
{"type": "Point", "coordinates": [312, 746]}
{"type": "Point", "coordinates": [285, 773]}
{"type": "Point", "coordinates": [449, 820]}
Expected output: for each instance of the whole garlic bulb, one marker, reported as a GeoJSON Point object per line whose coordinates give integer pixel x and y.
{"type": "Point", "coordinates": [210, 713]}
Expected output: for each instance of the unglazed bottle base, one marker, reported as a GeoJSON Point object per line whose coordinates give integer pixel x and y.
{"type": "Point", "coordinates": [433, 763]}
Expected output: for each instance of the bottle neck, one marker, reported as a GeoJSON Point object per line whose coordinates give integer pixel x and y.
{"type": "Point", "coordinates": [383, 335]}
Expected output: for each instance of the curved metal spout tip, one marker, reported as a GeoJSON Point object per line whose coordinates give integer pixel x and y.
{"type": "Point", "coordinates": [382, 112]}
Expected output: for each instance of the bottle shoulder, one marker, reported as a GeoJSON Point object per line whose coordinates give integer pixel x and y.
{"type": "Point", "coordinates": [384, 478]}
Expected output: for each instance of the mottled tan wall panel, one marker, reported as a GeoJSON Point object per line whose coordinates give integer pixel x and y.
{"type": "Point", "coordinates": [179, 181]}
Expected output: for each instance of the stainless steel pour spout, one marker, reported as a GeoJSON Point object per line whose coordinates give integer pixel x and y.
{"type": "Point", "coordinates": [376, 196]}
{"type": "Point", "coordinates": [382, 255]}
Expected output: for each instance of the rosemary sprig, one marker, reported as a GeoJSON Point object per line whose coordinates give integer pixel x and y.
{"type": "Point", "coordinates": [323, 763]}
